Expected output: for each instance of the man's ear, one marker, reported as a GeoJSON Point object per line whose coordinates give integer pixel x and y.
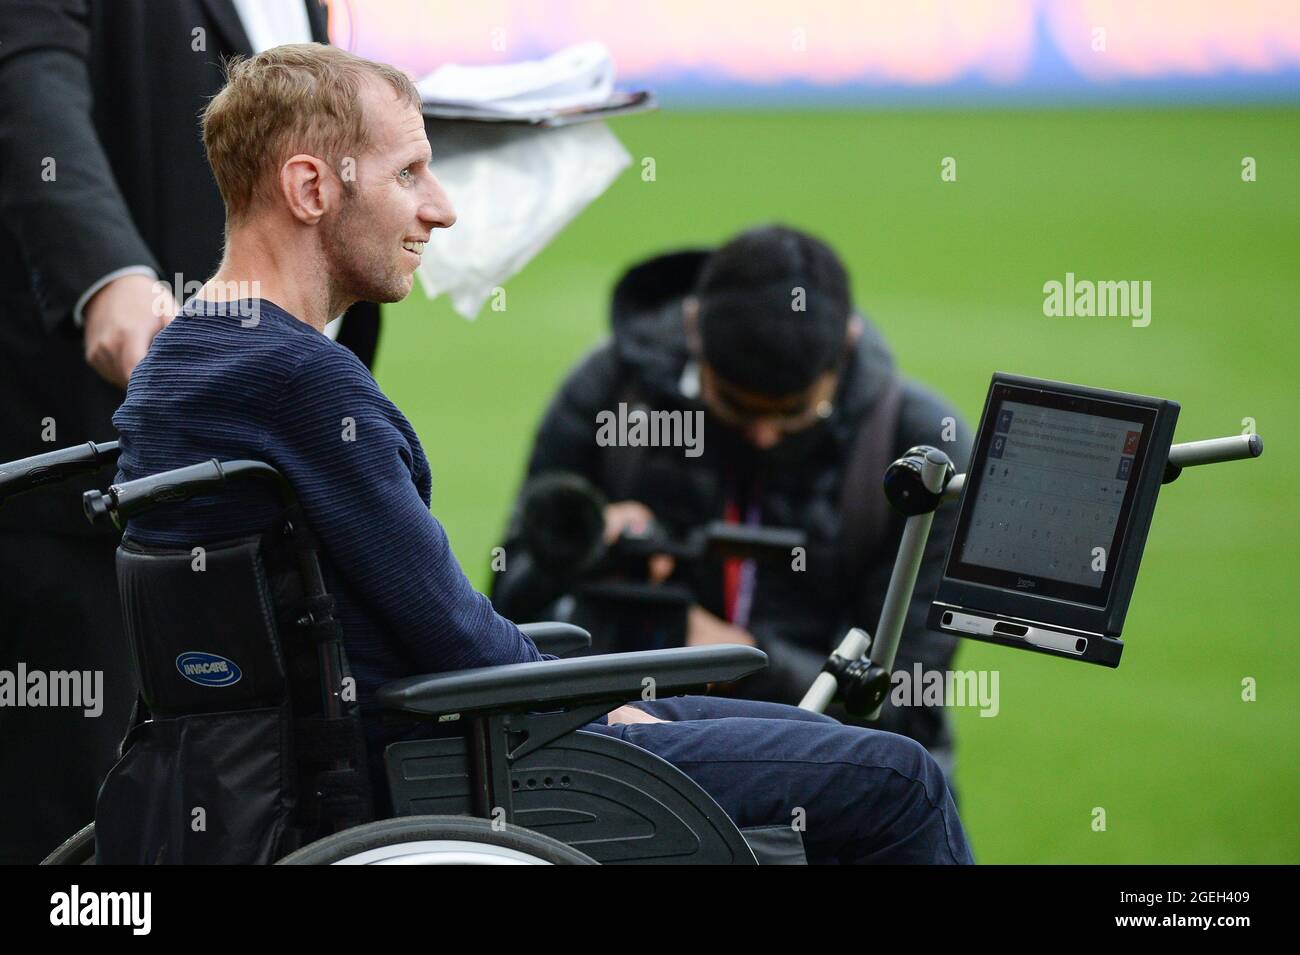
{"type": "Point", "coordinates": [307, 188]}
{"type": "Point", "coordinates": [691, 321]}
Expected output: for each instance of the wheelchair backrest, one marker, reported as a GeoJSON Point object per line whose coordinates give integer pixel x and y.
{"type": "Point", "coordinates": [202, 626]}
{"type": "Point", "coordinates": [242, 671]}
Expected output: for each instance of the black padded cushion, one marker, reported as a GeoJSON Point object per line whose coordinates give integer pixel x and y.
{"type": "Point", "coordinates": [203, 640]}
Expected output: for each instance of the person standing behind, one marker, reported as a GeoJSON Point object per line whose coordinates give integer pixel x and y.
{"type": "Point", "coordinates": [106, 204]}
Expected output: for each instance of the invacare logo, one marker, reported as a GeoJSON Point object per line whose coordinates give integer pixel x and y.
{"type": "Point", "coordinates": [75, 907]}
{"type": "Point", "coordinates": [207, 669]}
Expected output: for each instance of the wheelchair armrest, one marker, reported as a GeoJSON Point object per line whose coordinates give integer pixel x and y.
{"type": "Point", "coordinates": [615, 678]}
{"type": "Point", "coordinates": [559, 639]}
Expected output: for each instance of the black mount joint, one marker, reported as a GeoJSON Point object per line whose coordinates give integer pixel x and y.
{"type": "Point", "coordinates": [863, 685]}
{"type": "Point", "coordinates": [906, 485]}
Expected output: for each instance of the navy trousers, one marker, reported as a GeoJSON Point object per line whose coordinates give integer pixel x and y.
{"type": "Point", "coordinates": [859, 795]}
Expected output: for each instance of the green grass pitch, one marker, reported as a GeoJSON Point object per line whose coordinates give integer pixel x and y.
{"type": "Point", "coordinates": [1185, 770]}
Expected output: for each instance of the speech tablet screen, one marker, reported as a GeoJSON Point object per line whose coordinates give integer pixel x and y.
{"type": "Point", "coordinates": [1053, 517]}
{"type": "Point", "coordinates": [1072, 471]}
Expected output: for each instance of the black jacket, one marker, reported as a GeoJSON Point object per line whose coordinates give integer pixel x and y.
{"type": "Point", "coordinates": [111, 91]}
{"type": "Point", "coordinates": [797, 617]}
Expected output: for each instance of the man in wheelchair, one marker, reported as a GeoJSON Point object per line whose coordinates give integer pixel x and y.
{"type": "Point", "coordinates": [323, 162]}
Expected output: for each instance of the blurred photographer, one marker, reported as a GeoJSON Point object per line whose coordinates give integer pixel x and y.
{"type": "Point", "coordinates": [802, 410]}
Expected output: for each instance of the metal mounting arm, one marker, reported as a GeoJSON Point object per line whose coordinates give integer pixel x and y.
{"type": "Point", "coordinates": [917, 484]}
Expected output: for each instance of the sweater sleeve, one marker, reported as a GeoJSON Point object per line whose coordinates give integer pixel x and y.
{"type": "Point", "coordinates": [351, 457]}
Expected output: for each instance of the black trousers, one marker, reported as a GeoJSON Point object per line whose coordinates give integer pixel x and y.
{"type": "Point", "coordinates": [58, 612]}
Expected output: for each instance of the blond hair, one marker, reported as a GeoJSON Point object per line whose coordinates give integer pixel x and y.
{"type": "Point", "coordinates": [296, 98]}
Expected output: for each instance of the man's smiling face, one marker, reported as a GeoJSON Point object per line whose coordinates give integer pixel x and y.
{"type": "Point", "coordinates": [375, 240]}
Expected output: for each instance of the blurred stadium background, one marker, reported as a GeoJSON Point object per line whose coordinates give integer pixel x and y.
{"type": "Point", "coordinates": [1117, 163]}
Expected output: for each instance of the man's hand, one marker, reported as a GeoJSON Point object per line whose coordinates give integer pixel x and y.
{"type": "Point", "coordinates": [703, 628]}
{"type": "Point", "coordinates": [121, 320]}
{"type": "Point", "coordinates": [635, 518]}
{"type": "Point", "coordinates": [630, 714]}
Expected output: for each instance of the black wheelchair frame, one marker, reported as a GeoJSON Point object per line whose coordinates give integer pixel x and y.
{"type": "Point", "coordinates": [514, 778]}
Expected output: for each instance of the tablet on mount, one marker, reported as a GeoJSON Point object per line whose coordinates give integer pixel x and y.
{"type": "Point", "coordinates": [1054, 516]}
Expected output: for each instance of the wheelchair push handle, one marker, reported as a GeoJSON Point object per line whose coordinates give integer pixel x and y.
{"type": "Point", "coordinates": [121, 502]}
{"type": "Point", "coordinates": [55, 466]}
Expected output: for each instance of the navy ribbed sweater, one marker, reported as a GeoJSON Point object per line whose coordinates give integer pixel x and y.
{"type": "Point", "coordinates": [281, 392]}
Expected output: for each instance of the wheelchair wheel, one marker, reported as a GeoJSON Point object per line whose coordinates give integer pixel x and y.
{"type": "Point", "coordinates": [436, 840]}
{"type": "Point", "coordinates": [77, 849]}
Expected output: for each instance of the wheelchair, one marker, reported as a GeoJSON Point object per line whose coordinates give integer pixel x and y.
{"type": "Point", "coordinates": [245, 745]}
{"type": "Point", "coordinates": [277, 771]}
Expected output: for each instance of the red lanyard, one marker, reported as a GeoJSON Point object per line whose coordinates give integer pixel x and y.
{"type": "Point", "coordinates": [739, 576]}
